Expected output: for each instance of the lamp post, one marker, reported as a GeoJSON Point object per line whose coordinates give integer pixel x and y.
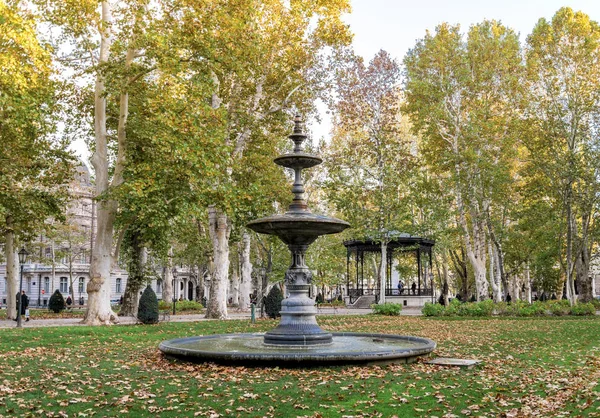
{"type": "Point", "coordinates": [174, 287]}
{"type": "Point", "coordinates": [22, 259]}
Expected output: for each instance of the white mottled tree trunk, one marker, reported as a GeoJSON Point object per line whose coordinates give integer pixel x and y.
{"type": "Point", "coordinates": [12, 275]}
{"type": "Point", "coordinates": [235, 279]}
{"type": "Point", "coordinates": [219, 230]}
{"type": "Point", "coordinates": [98, 289]}
{"type": "Point", "coordinates": [495, 273]}
{"type": "Point", "coordinates": [527, 283]}
{"type": "Point", "coordinates": [167, 288]}
{"type": "Point", "coordinates": [246, 273]}
{"type": "Point", "coordinates": [383, 270]}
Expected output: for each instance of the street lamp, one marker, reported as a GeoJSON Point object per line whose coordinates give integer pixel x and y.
{"type": "Point", "coordinates": [22, 259]}
{"type": "Point", "coordinates": [174, 291]}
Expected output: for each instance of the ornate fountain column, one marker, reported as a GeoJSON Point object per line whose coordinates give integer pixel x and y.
{"type": "Point", "coordinates": [298, 228]}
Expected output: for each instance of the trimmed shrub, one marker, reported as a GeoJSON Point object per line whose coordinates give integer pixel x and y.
{"type": "Point", "coordinates": [558, 307]}
{"type": "Point", "coordinates": [581, 309]}
{"type": "Point", "coordinates": [56, 302]}
{"type": "Point", "coordinates": [273, 302]}
{"type": "Point", "coordinates": [433, 309]}
{"type": "Point", "coordinates": [483, 308]}
{"type": "Point", "coordinates": [182, 305]}
{"type": "Point", "coordinates": [535, 309]}
{"type": "Point", "coordinates": [390, 309]}
{"type": "Point", "coordinates": [452, 308]}
{"type": "Point", "coordinates": [148, 307]}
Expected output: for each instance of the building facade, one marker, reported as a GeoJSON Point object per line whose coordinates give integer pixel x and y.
{"type": "Point", "coordinates": [62, 261]}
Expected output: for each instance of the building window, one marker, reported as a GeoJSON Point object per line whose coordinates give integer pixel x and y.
{"type": "Point", "coordinates": [64, 286]}
{"type": "Point", "coordinates": [46, 285]}
{"type": "Point", "coordinates": [28, 286]}
{"type": "Point", "coordinates": [81, 283]}
{"type": "Point", "coordinates": [159, 286]}
{"type": "Point", "coordinates": [118, 287]}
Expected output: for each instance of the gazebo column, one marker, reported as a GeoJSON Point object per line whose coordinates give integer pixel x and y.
{"type": "Point", "coordinates": [419, 270]}
{"type": "Point", "coordinates": [347, 269]}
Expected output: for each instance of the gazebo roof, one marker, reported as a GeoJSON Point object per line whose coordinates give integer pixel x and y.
{"type": "Point", "coordinates": [400, 240]}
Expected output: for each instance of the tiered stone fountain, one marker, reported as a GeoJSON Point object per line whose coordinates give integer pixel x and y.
{"type": "Point", "coordinates": [298, 339]}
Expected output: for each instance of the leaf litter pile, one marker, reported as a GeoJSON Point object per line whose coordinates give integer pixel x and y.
{"type": "Point", "coordinates": [546, 367]}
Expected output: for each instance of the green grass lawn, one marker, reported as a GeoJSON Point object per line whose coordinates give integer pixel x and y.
{"type": "Point", "coordinates": [543, 367]}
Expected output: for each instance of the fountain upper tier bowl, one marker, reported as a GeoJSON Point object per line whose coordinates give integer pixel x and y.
{"type": "Point", "coordinates": [298, 227]}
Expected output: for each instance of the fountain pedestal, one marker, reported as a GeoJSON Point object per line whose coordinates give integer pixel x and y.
{"type": "Point", "coordinates": [298, 325]}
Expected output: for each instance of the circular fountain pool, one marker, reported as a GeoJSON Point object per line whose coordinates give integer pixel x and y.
{"type": "Point", "coordinates": [346, 348]}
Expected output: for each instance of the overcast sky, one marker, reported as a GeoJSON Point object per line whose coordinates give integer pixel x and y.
{"type": "Point", "coordinates": [396, 25]}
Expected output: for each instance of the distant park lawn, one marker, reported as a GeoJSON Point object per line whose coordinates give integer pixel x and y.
{"type": "Point", "coordinates": [542, 366]}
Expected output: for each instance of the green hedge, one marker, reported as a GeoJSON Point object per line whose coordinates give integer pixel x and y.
{"type": "Point", "coordinates": [516, 308]}
{"type": "Point", "coordinates": [390, 309]}
{"type": "Point", "coordinates": [182, 305]}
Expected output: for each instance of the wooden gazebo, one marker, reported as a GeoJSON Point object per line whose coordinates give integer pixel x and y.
{"type": "Point", "coordinates": [356, 250]}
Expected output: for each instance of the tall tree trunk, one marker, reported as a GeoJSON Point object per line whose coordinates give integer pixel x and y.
{"type": "Point", "coordinates": [12, 268]}
{"type": "Point", "coordinates": [584, 279]}
{"type": "Point", "coordinates": [444, 277]}
{"type": "Point", "coordinates": [219, 229]}
{"type": "Point", "coordinates": [136, 278]}
{"type": "Point", "coordinates": [246, 272]}
{"type": "Point", "coordinates": [235, 276]}
{"type": "Point", "coordinates": [495, 273]}
{"type": "Point", "coordinates": [167, 288]}
{"type": "Point", "coordinates": [569, 273]}
{"type": "Point", "coordinates": [460, 267]}
{"type": "Point", "coordinates": [53, 269]}
{"type": "Point", "coordinates": [527, 283]}
{"type": "Point", "coordinates": [99, 310]}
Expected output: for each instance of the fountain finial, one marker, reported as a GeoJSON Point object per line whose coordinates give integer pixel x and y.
{"type": "Point", "coordinates": [298, 136]}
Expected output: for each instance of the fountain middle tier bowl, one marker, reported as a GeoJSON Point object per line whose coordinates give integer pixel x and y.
{"type": "Point", "coordinates": [298, 160]}
{"type": "Point", "coordinates": [298, 228]}
{"type": "Point", "coordinates": [347, 348]}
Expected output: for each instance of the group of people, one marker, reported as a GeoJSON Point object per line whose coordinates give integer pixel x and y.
{"type": "Point", "coordinates": [401, 288]}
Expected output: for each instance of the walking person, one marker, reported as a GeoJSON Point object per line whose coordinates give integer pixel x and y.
{"type": "Point", "coordinates": [25, 305]}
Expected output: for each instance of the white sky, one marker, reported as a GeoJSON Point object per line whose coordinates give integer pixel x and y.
{"type": "Point", "coordinates": [395, 25]}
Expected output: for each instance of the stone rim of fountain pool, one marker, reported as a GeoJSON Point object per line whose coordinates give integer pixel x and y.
{"type": "Point", "coordinates": [298, 339]}
{"type": "Point", "coordinates": [370, 348]}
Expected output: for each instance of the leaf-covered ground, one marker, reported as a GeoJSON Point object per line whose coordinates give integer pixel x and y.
{"type": "Point", "coordinates": [531, 367]}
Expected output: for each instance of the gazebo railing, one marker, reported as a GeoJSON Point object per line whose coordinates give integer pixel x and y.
{"type": "Point", "coordinates": [408, 292]}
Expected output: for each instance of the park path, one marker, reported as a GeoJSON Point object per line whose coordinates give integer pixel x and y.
{"type": "Point", "coordinates": [59, 322]}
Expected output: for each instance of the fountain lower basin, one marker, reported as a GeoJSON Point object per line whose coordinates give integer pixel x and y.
{"type": "Point", "coordinates": [346, 348]}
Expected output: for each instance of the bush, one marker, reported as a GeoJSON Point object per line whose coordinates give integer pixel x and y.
{"type": "Point", "coordinates": [390, 309]}
{"type": "Point", "coordinates": [581, 309]}
{"type": "Point", "coordinates": [182, 305]}
{"type": "Point", "coordinates": [535, 309]}
{"type": "Point", "coordinates": [452, 308]}
{"type": "Point", "coordinates": [319, 298]}
{"type": "Point", "coordinates": [433, 309]}
{"type": "Point", "coordinates": [484, 308]}
{"type": "Point", "coordinates": [56, 302]}
{"type": "Point", "coordinates": [559, 307]}
{"type": "Point", "coordinates": [148, 307]}
{"type": "Point", "coordinates": [273, 302]}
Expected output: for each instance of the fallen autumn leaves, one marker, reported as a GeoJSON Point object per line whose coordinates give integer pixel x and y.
{"type": "Point", "coordinates": [532, 367]}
